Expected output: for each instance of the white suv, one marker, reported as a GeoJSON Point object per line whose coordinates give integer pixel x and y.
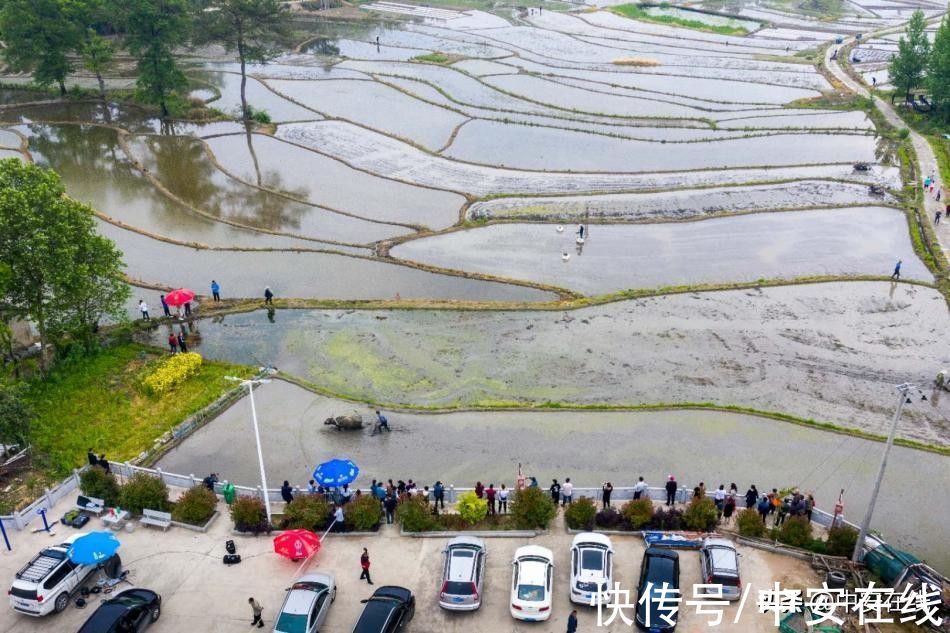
{"type": "Point", "coordinates": [46, 583]}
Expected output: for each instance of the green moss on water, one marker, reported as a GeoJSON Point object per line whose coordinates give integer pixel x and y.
{"type": "Point", "coordinates": [636, 12]}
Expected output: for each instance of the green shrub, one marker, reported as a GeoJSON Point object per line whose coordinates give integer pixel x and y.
{"type": "Point", "coordinates": [796, 531]}
{"type": "Point", "coordinates": [841, 540]}
{"type": "Point", "coordinates": [531, 508]}
{"type": "Point", "coordinates": [471, 508]}
{"type": "Point", "coordinates": [143, 491]}
{"type": "Point", "coordinates": [249, 515]}
{"type": "Point", "coordinates": [196, 506]}
{"type": "Point", "coordinates": [750, 523]}
{"type": "Point", "coordinates": [306, 512]}
{"type": "Point", "coordinates": [96, 482]}
{"type": "Point", "coordinates": [701, 515]}
{"type": "Point", "coordinates": [580, 514]}
{"type": "Point", "coordinates": [637, 513]}
{"type": "Point", "coordinates": [415, 515]}
{"type": "Point", "coordinates": [666, 519]}
{"type": "Point", "coordinates": [817, 546]}
{"type": "Point", "coordinates": [363, 513]}
{"type": "Point", "coordinates": [256, 114]}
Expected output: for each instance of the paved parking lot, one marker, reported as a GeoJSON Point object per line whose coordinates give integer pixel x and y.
{"type": "Point", "coordinates": [201, 595]}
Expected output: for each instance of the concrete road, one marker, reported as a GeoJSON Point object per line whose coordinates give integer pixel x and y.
{"type": "Point", "coordinates": [201, 595]}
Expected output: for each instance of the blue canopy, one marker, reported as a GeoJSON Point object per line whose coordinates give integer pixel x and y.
{"type": "Point", "coordinates": [335, 473]}
{"type": "Point", "coordinates": [93, 548]}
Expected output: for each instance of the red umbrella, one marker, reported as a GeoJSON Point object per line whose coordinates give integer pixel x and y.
{"type": "Point", "coordinates": [179, 297]}
{"type": "Point", "coordinates": [297, 544]}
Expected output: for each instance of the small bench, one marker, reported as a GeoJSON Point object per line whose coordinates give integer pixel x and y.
{"type": "Point", "coordinates": [156, 518]}
{"type": "Point", "coordinates": [91, 505]}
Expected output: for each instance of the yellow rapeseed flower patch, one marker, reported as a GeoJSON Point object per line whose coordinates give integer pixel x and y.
{"type": "Point", "coordinates": [172, 371]}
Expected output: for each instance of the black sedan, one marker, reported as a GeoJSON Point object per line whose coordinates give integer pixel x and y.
{"type": "Point", "coordinates": [387, 611]}
{"type": "Point", "coordinates": [128, 612]}
{"type": "Point", "coordinates": [660, 581]}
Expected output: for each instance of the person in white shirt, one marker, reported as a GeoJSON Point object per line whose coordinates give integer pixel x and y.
{"type": "Point", "coordinates": [143, 308]}
{"type": "Point", "coordinates": [720, 498]}
{"type": "Point", "coordinates": [567, 492]}
{"type": "Point", "coordinates": [639, 488]}
{"type": "Point", "coordinates": [339, 518]}
{"type": "Point", "coordinates": [503, 500]}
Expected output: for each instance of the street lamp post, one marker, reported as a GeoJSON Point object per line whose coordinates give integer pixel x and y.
{"type": "Point", "coordinates": [903, 390]}
{"type": "Point", "coordinates": [250, 384]}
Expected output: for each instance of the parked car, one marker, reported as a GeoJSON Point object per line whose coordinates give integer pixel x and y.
{"type": "Point", "coordinates": [389, 610]}
{"type": "Point", "coordinates": [532, 576]}
{"type": "Point", "coordinates": [306, 604]}
{"type": "Point", "coordinates": [46, 583]}
{"type": "Point", "coordinates": [462, 574]}
{"type": "Point", "coordinates": [660, 578]}
{"type": "Point", "coordinates": [131, 611]}
{"type": "Point", "coordinates": [719, 564]}
{"type": "Point", "coordinates": [592, 559]}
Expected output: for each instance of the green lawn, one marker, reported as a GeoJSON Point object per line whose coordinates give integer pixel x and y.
{"type": "Point", "coordinates": [635, 12]}
{"type": "Point", "coordinates": [96, 402]}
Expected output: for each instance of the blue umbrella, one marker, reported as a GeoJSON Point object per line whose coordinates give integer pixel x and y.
{"type": "Point", "coordinates": [336, 472]}
{"type": "Point", "coordinates": [93, 548]}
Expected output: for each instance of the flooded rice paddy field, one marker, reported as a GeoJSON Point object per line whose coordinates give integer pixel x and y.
{"type": "Point", "coordinates": [536, 120]}
{"type": "Point", "coordinates": [743, 248]}
{"type": "Point", "coordinates": [829, 351]}
{"type": "Point", "coordinates": [695, 445]}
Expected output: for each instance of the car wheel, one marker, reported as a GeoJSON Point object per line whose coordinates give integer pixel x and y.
{"type": "Point", "coordinates": [155, 613]}
{"type": "Point", "coordinates": [62, 601]}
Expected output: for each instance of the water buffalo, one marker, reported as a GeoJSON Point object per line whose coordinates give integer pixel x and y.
{"type": "Point", "coordinates": [352, 422]}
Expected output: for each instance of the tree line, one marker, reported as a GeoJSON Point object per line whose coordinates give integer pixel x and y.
{"type": "Point", "coordinates": [920, 64]}
{"type": "Point", "coordinates": [51, 38]}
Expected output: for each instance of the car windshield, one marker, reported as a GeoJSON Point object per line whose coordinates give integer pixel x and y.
{"type": "Point", "coordinates": [291, 623]}
{"type": "Point", "coordinates": [661, 570]}
{"type": "Point", "coordinates": [592, 559]}
{"type": "Point", "coordinates": [531, 593]}
{"type": "Point", "coordinates": [463, 553]}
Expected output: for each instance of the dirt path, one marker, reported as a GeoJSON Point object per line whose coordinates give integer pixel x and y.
{"type": "Point", "coordinates": [926, 159]}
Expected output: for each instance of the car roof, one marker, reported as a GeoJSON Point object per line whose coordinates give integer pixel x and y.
{"type": "Point", "coordinates": [392, 591]}
{"type": "Point", "coordinates": [103, 618]}
{"type": "Point", "coordinates": [661, 552]}
{"type": "Point", "coordinates": [592, 538]}
{"type": "Point", "coordinates": [718, 542]}
{"type": "Point", "coordinates": [534, 550]}
{"type": "Point", "coordinates": [461, 568]}
{"type": "Point", "coordinates": [299, 601]}
{"type": "Point", "coordinates": [465, 540]}
{"type": "Point", "coordinates": [532, 572]}
{"type": "Point", "coordinates": [323, 578]}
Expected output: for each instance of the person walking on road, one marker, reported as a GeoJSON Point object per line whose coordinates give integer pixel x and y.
{"type": "Point", "coordinates": [897, 270]}
{"type": "Point", "coordinates": [215, 291]}
{"type": "Point", "coordinates": [503, 500]}
{"type": "Point", "coordinates": [572, 622]}
{"type": "Point", "coordinates": [364, 563]}
{"type": "Point", "coordinates": [389, 504]}
{"type": "Point", "coordinates": [143, 308]}
{"type": "Point", "coordinates": [671, 491]}
{"type": "Point", "coordinates": [268, 296]}
{"type": "Point", "coordinates": [258, 612]}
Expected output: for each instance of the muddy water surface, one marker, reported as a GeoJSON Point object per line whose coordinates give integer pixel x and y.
{"type": "Point", "coordinates": [460, 448]}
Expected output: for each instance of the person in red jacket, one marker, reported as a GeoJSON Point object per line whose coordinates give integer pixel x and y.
{"type": "Point", "coordinates": [364, 563]}
{"type": "Point", "coordinates": [490, 495]}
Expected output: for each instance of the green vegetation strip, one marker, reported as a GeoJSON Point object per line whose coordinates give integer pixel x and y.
{"type": "Point", "coordinates": [635, 12]}
{"type": "Point", "coordinates": [98, 402]}
{"type": "Point", "coordinates": [515, 405]}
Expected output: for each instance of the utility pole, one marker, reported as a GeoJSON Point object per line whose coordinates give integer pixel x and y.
{"type": "Point", "coordinates": [903, 390]}
{"type": "Point", "coordinates": [250, 384]}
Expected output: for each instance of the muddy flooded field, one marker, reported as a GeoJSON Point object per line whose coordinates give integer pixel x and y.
{"type": "Point", "coordinates": [830, 352]}
{"type": "Point", "coordinates": [464, 142]}
{"type": "Point", "coordinates": [861, 240]}
{"type": "Point", "coordinates": [460, 448]}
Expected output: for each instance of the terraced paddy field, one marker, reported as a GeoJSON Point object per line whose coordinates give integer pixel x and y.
{"type": "Point", "coordinates": [741, 219]}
